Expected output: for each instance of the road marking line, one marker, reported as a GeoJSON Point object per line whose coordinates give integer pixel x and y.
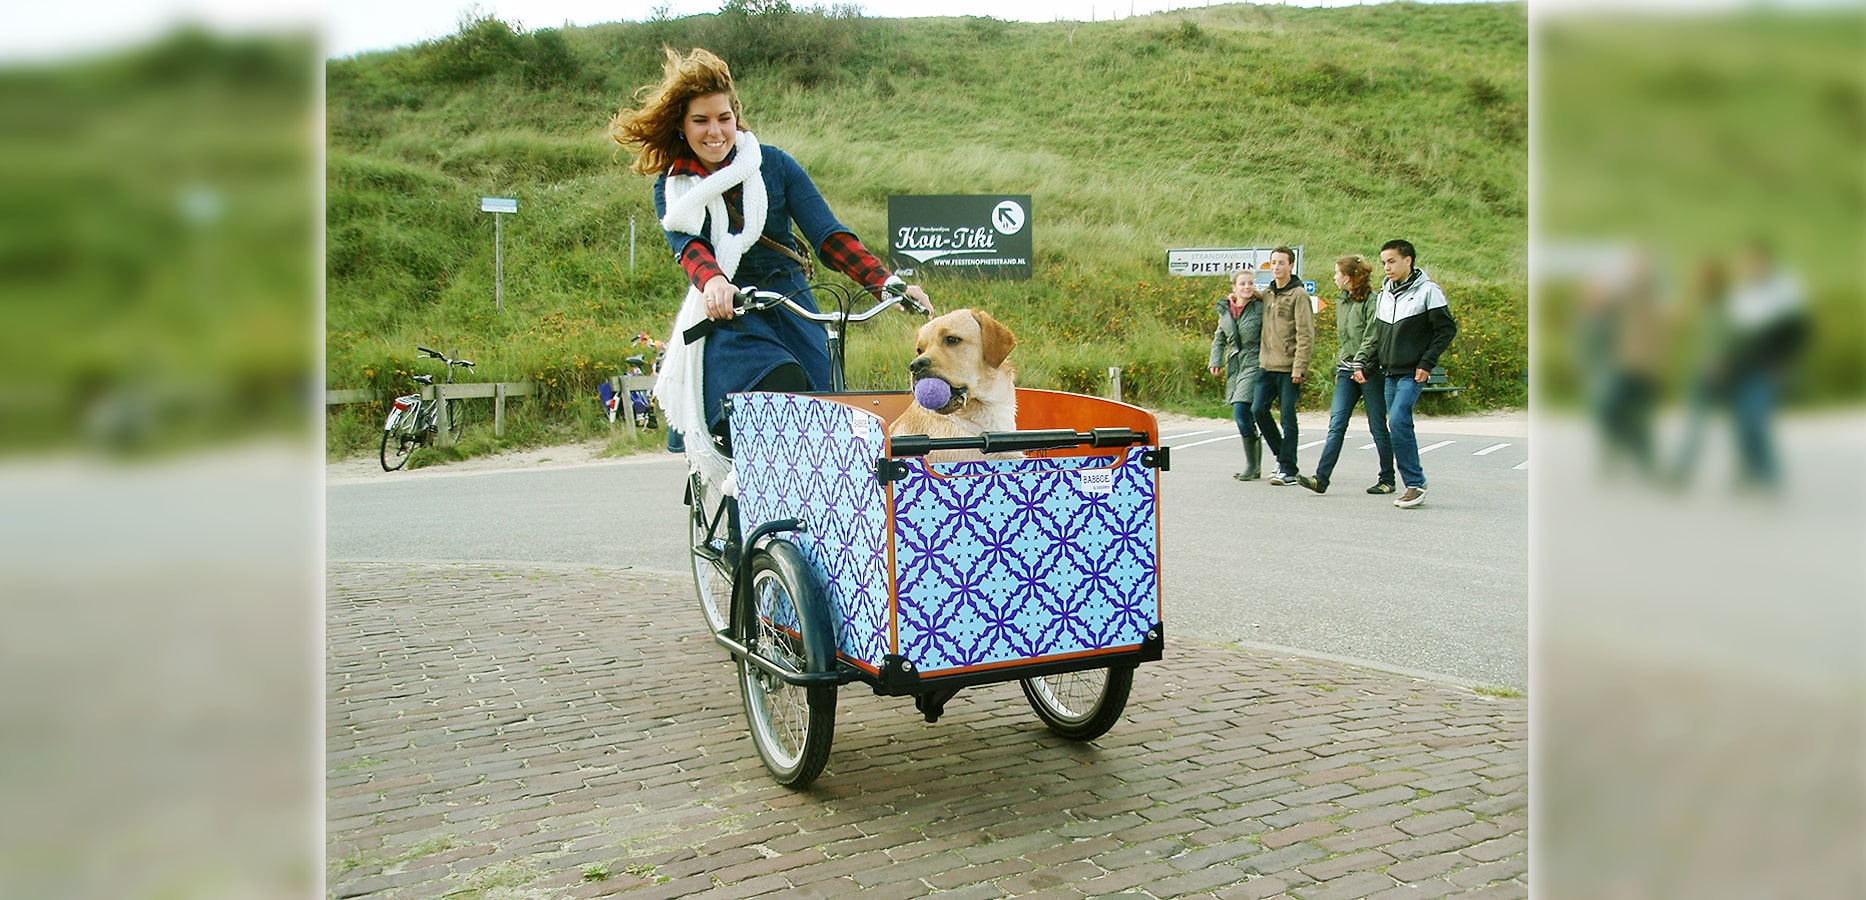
{"type": "Point", "coordinates": [1174, 437]}
{"type": "Point", "coordinates": [1197, 443]}
{"type": "Point", "coordinates": [1436, 446]}
{"type": "Point", "coordinates": [1367, 446]}
{"type": "Point", "coordinates": [1311, 444]}
{"type": "Point", "coordinates": [1490, 449]}
{"type": "Point", "coordinates": [1521, 465]}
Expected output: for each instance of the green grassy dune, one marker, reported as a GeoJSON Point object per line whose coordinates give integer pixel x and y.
{"type": "Point", "coordinates": [1234, 125]}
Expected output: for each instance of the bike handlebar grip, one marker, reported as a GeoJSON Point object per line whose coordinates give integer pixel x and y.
{"type": "Point", "coordinates": [699, 330]}
{"type": "Point", "coordinates": [427, 351]}
{"type": "Point", "coordinates": [910, 445]}
{"type": "Point", "coordinates": [1116, 437]}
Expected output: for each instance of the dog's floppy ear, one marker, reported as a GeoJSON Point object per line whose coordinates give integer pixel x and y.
{"type": "Point", "coordinates": [997, 340]}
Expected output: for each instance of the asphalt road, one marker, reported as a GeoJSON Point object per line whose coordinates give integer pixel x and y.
{"type": "Point", "coordinates": [1442, 589]}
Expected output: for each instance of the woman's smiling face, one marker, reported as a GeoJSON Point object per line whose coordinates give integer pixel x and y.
{"type": "Point", "coordinates": [710, 128]}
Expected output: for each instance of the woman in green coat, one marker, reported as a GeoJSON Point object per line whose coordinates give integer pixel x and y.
{"type": "Point", "coordinates": [1234, 354]}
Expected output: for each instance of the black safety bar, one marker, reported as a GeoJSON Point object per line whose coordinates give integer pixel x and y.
{"type": "Point", "coordinates": [1007, 441]}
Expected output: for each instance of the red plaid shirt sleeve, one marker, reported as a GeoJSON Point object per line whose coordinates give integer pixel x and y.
{"type": "Point", "coordinates": [847, 255]}
{"type": "Point", "coordinates": [700, 263]}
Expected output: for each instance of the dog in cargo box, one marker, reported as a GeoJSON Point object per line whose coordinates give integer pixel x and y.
{"type": "Point", "coordinates": [967, 352]}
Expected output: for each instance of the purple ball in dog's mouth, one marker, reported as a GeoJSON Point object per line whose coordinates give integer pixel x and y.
{"type": "Point", "coordinates": [932, 393]}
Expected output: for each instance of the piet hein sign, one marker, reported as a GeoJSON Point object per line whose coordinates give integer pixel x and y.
{"type": "Point", "coordinates": [970, 235]}
{"type": "Point", "coordinates": [1207, 261]}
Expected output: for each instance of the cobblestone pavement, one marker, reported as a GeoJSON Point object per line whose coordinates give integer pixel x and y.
{"type": "Point", "coordinates": [506, 732]}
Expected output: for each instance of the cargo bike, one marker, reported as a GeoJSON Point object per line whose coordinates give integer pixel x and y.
{"type": "Point", "coordinates": [836, 553]}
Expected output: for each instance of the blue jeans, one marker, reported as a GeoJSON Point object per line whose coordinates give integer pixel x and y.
{"type": "Point", "coordinates": [1347, 394]}
{"type": "Point", "coordinates": [1282, 442]}
{"type": "Point", "coordinates": [1247, 423]}
{"type": "Point", "coordinates": [1402, 394]}
{"type": "Point", "coordinates": [1752, 404]}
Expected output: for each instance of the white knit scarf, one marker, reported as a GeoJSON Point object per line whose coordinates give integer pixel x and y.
{"type": "Point", "coordinates": [682, 385]}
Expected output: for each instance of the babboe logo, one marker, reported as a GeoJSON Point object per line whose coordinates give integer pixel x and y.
{"type": "Point", "coordinates": [970, 235]}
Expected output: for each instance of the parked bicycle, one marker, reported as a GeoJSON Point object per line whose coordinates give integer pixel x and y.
{"type": "Point", "coordinates": [642, 404]}
{"type": "Point", "coordinates": [414, 422]}
{"type": "Point", "coordinates": [647, 410]}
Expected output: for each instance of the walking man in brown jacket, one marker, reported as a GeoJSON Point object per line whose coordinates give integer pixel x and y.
{"type": "Point", "coordinates": [1283, 354]}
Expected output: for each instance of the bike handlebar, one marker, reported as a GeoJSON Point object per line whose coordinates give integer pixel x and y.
{"type": "Point", "coordinates": [758, 299]}
{"type": "Point", "coordinates": [443, 357]}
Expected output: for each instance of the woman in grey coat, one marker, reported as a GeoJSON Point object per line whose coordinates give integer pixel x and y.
{"type": "Point", "coordinates": [1234, 353]}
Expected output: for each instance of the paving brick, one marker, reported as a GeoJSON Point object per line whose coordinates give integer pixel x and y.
{"type": "Point", "coordinates": [1381, 797]}
{"type": "Point", "coordinates": [1196, 881]}
{"type": "Point", "coordinates": [1492, 850]}
{"type": "Point", "coordinates": [1433, 822]}
{"type": "Point", "coordinates": [1508, 868]}
{"type": "Point", "coordinates": [1361, 839]}
{"type": "Point", "coordinates": [1348, 887]}
{"type": "Point", "coordinates": [1335, 867]}
{"type": "Point", "coordinates": [1308, 830]}
{"type": "Point", "coordinates": [1379, 815]}
{"type": "Point", "coordinates": [1425, 890]}
{"type": "Point", "coordinates": [1256, 888]}
{"type": "Point", "coordinates": [1275, 862]}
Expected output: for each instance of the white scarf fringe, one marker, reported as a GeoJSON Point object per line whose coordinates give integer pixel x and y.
{"type": "Point", "coordinates": [681, 388]}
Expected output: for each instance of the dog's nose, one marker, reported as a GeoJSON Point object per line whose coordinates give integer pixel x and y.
{"type": "Point", "coordinates": [919, 366]}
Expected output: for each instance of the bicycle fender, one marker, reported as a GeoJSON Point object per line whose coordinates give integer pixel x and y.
{"type": "Point", "coordinates": [818, 627]}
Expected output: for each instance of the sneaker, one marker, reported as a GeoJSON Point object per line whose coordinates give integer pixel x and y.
{"type": "Point", "coordinates": [1282, 479]}
{"type": "Point", "coordinates": [1384, 487]}
{"type": "Point", "coordinates": [1413, 497]}
{"type": "Point", "coordinates": [1316, 485]}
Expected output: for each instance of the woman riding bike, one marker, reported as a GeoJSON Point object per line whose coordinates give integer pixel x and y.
{"type": "Point", "coordinates": [727, 204]}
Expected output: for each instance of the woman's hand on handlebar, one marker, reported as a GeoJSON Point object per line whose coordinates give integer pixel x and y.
{"type": "Point", "coordinates": [914, 293]}
{"type": "Point", "coordinates": [721, 297]}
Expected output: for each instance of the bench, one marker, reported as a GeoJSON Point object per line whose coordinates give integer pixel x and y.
{"type": "Point", "coordinates": [1438, 383]}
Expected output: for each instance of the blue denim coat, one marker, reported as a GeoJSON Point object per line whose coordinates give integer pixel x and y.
{"type": "Point", "coordinates": [749, 347]}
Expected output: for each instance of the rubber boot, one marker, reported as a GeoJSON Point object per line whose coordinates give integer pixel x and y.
{"type": "Point", "coordinates": [1253, 458]}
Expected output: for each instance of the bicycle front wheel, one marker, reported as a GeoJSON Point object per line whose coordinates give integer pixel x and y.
{"type": "Point", "coordinates": [1082, 705]}
{"type": "Point", "coordinates": [791, 726]}
{"type": "Point", "coordinates": [707, 531]}
{"type": "Point", "coordinates": [397, 443]}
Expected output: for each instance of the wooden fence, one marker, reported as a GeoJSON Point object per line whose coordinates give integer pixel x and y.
{"type": "Point", "coordinates": [498, 391]}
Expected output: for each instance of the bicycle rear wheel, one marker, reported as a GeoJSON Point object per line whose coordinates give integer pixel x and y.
{"type": "Point", "coordinates": [397, 443]}
{"type": "Point", "coordinates": [706, 547]}
{"type": "Point", "coordinates": [791, 726]}
{"type": "Point", "coordinates": [1081, 705]}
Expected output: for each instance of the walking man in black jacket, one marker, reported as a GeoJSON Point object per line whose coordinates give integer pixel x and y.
{"type": "Point", "coordinates": [1412, 328]}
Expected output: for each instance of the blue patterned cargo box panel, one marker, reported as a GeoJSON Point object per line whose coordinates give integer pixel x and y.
{"type": "Point", "coordinates": [815, 459]}
{"type": "Point", "coordinates": [993, 563]}
{"type": "Point", "coordinates": [1003, 562]}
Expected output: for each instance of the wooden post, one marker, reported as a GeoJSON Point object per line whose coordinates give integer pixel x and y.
{"type": "Point", "coordinates": [498, 409]}
{"type": "Point", "coordinates": [625, 405]}
{"type": "Point", "coordinates": [446, 437]}
{"type": "Point", "coordinates": [1114, 383]}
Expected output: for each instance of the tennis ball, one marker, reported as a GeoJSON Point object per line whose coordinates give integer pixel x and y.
{"type": "Point", "coordinates": [932, 393]}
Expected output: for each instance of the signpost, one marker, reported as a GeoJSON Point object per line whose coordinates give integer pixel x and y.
{"type": "Point", "coordinates": [1210, 261]}
{"type": "Point", "coordinates": [498, 206]}
{"type": "Point", "coordinates": [973, 235]}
